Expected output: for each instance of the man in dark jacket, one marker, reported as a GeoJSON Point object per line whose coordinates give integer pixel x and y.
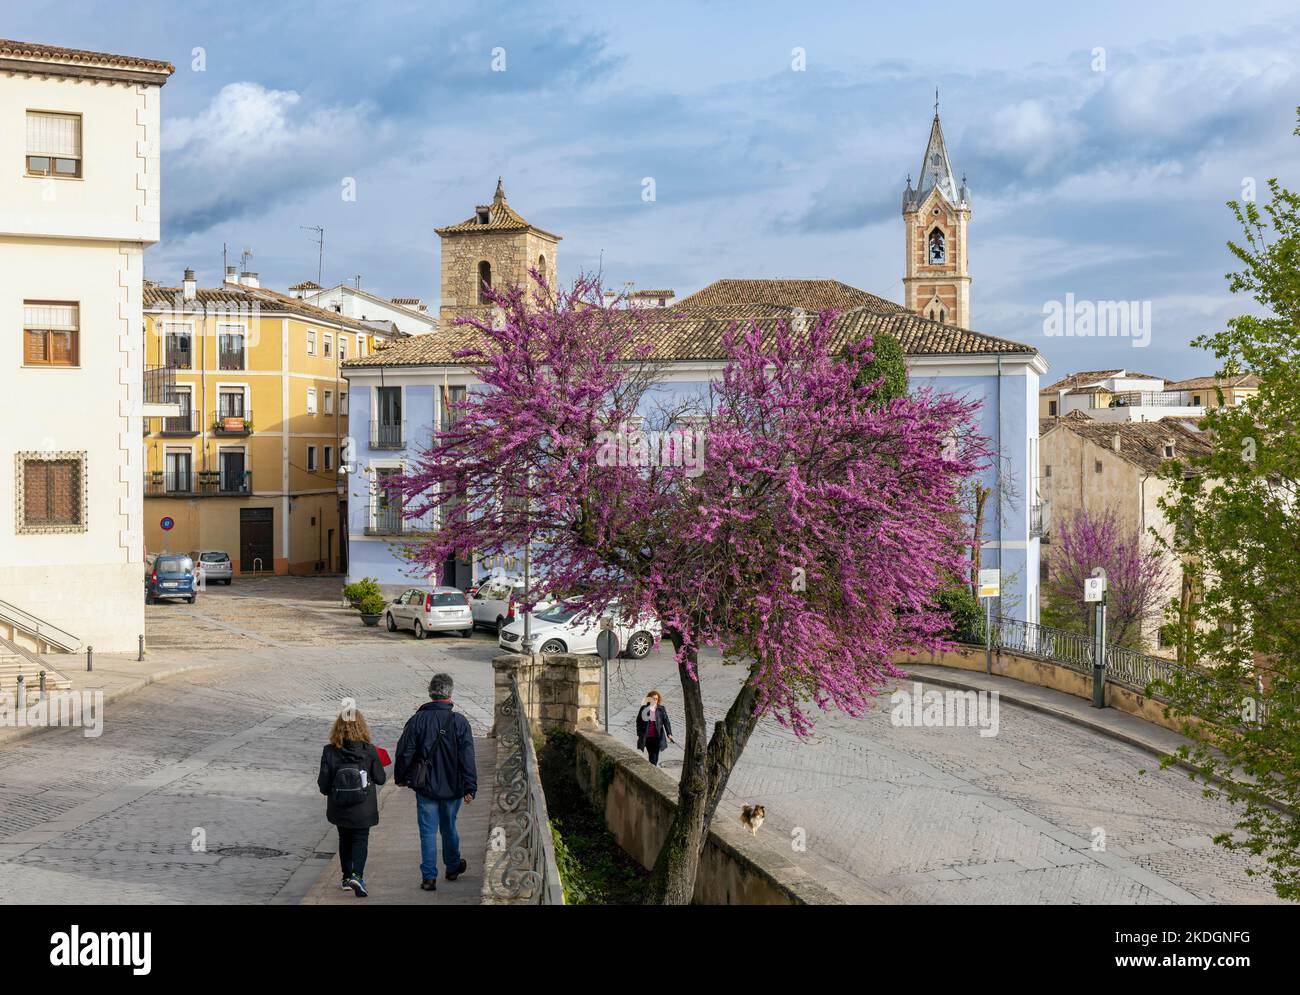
{"type": "Point", "coordinates": [435, 756]}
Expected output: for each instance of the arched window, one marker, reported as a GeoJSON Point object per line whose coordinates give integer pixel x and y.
{"type": "Point", "coordinates": [484, 281]}
{"type": "Point", "coordinates": [541, 266]}
{"type": "Point", "coordinates": [936, 246]}
{"type": "Point", "coordinates": [941, 314]}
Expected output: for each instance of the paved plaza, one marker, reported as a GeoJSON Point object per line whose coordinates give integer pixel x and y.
{"type": "Point", "coordinates": [202, 787]}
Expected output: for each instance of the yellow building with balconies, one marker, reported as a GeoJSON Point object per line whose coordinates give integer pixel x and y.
{"type": "Point", "coordinates": [251, 465]}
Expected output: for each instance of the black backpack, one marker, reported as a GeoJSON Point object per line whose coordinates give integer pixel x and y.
{"type": "Point", "coordinates": [351, 786]}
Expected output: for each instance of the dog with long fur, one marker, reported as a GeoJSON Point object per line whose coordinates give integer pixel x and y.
{"type": "Point", "coordinates": [751, 817]}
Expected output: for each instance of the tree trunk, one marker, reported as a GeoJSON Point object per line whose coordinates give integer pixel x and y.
{"type": "Point", "coordinates": [672, 880]}
{"type": "Point", "coordinates": [705, 772]}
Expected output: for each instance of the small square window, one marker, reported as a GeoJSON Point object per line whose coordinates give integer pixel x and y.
{"type": "Point", "coordinates": [51, 492]}
{"type": "Point", "coordinates": [1096, 467]}
{"type": "Point", "coordinates": [53, 144]}
{"type": "Point", "coordinates": [1047, 470]}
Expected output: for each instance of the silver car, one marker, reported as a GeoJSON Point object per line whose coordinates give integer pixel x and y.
{"type": "Point", "coordinates": [214, 566]}
{"type": "Point", "coordinates": [443, 609]}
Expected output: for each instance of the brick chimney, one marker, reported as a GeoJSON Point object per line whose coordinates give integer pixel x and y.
{"type": "Point", "coordinates": [1115, 443]}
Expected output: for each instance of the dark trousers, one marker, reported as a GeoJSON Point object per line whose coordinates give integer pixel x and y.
{"type": "Point", "coordinates": [652, 751]}
{"type": "Point", "coordinates": [354, 844]}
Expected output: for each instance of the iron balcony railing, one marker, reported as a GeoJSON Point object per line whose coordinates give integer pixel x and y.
{"type": "Point", "coordinates": [198, 483]}
{"type": "Point", "coordinates": [158, 482]}
{"type": "Point", "coordinates": [526, 871]}
{"type": "Point", "coordinates": [160, 385]}
{"type": "Point", "coordinates": [233, 421]}
{"type": "Point", "coordinates": [186, 423]}
{"type": "Point", "coordinates": [387, 435]}
{"type": "Point", "coordinates": [386, 520]}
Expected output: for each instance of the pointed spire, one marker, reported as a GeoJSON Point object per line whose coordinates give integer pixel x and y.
{"type": "Point", "coordinates": [936, 169]}
{"type": "Point", "coordinates": [500, 196]}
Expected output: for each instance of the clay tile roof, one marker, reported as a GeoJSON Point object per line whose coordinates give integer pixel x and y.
{"type": "Point", "coordinates": [1207, 383]}
{"type": "Point", "coordinates": [1141, 443]}
{"type": "Point", "coordinates": [501, 217]}
{"type": "Point", "coordinates": [1075, 380]}
{"type": "Point", "coordinates": [684, 335]}
{"type": "Point", "coordinates": [652, 293]}
{"type": "Point", "coordinates": [783, 295]}
{"type": "Point", "coordinates": [306, 285]}
{"type": "Point", "coordinates": [233, 296]}
{"type": "Point", "coordinates": [33, 51]}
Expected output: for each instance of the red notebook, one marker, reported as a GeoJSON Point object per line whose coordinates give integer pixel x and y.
{"type": "Point", "coordinates": [384, 758]}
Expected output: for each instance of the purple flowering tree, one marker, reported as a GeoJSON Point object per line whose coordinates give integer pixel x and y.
{"type": "Point", "coordinates": [803, 533]}
{"type": "Point", "coordinates": [1137, 574]}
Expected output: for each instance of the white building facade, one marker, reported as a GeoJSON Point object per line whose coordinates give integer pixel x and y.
{"type": "Point", "coordinates": [79, 144]}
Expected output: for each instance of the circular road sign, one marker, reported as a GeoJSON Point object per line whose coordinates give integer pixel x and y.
{"type": "Point", "coordinates": [607, 644]}
{"type": "Point", "coordinates": [167, 523]}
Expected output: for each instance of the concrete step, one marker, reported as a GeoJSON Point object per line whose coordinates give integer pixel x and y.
{"type": "Point", "coordinates": [30, 666]}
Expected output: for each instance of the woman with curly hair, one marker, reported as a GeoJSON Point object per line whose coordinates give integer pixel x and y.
{"type": "Point", "coordinates": [351, 771]}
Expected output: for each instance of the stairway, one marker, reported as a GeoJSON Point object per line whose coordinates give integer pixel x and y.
{"type": "Point", "coordinates": [15, 660]}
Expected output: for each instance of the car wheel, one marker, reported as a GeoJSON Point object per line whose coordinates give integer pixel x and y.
{"type": "Point", "coordinates": [501, 624]}
{"type": "Point", "coordinates": [467, 633]}
{"type": "Point", "coordinates": [228, 580]}
{"type": "Point", "coordinates": [639, 646]}
{"type": "Point", "coordinates": [193, 598]}
{"type": "Point", "coordinates": [553, 646]}
{"type": "Point", "coordinates": [418, 630]}
{"type": "Point", "coordinates": [388, 621]}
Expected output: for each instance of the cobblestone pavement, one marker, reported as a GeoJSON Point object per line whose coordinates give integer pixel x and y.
{"type": "Point", "coordinates": [920, 814]}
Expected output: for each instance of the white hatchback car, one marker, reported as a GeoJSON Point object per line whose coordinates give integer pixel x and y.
{"type": "Point", "coordinates": [570, 627]}
{"type": "Point", "coordinates": [443, 609]}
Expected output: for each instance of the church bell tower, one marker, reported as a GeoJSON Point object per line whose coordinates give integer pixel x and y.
{"type": "Point", "coordinates": [936, 279]}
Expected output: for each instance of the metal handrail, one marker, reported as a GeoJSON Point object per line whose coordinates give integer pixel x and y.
{"type": "Point", "coordinates": [39, 628]}
{"type": "Point", "coordinates": [527, 870]}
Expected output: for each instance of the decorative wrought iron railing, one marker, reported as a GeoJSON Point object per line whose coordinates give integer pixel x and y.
{"type": "Point", "coordinates": [526, 870]}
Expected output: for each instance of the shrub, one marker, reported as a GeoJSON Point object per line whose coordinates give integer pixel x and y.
{"type": "Point", "coordinates": [358, 591]}
{"type": "Point", "coordinates": [372, 604]}
{"type": "Point", "coordinates": [964, 607]}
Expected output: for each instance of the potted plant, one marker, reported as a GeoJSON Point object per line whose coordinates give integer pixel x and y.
{"type": "Point", "coordinates": [357, 592]}
{"type": "Point", "coordinates": [372, 608]}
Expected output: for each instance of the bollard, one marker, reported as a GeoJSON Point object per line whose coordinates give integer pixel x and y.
{"type": "Point", "coordinates": [90, 658]}
{"type": "Point", "coordinates": [42, 685]}
{"type": "Point", "coordinates": [22, 694]}
{"type": "Point", "coordinates": [141, 656]}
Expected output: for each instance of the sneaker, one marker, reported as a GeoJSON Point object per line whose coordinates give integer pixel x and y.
{"type": "Point", "coordinates": [428, 884]}
{"type": "Point", "coordinates": [464, 866]}
{"type": "Point", "coordinates": [346, 883]}
{"type": "Point", "coordinates": [358, 886]}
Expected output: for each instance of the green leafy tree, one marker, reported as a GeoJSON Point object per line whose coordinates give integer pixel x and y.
{"type": "Point", "coordinates": [888, 364]}
{"type": "Point", "coordinates": [1237, 527]}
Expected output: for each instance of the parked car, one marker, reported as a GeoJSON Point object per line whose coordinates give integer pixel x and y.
{"type": "Point", "coordinates": [214, 566]}
{"type": "Point", "coordinates": [169, 575]}
{"type": "Point", "coordinates": [443, 609]}
{"type": "Point", "coordinates": [493, 603]}
{"type": "Point", "coordinates": [572, 627]}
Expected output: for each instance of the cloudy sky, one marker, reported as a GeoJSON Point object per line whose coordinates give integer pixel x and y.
{"type": "Point", "coordinates": [1105, 182]}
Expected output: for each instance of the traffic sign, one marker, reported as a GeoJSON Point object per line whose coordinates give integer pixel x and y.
{"type": "Point", "coordinates": [607, 644]}
{"type": "Point", "coordinates": [167, 523]}
{"type": "Point", "coordinates": [1094, 589]}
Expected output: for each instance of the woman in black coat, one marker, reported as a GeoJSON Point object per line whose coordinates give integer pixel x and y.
{"type": "Point", "coordinates": [350, 774]}
{"type": "Point", "coordinates": [653, 730]}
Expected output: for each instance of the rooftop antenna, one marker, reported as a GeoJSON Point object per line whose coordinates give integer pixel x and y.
{"type": "Point", "coordinates": [936, 101]}
{"type": "Point", "coordinates": [358, 279]}
{"type": "Point", "coordinates": [244, 257]}
{"type": "Point", "coordinates": [320, 243]}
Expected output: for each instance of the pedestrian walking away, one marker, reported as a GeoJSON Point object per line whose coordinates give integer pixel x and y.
{"type": "Point", "coordinates": [435, 758]}
{"type": "Point", "coordinates": [653, 730]}
{"type": "Point", "coordinates": [351, 770]}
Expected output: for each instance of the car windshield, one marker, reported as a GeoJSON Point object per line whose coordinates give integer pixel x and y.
{"type": "Point", "coordinates": [560, 613]}
{"type": "Point", "coordinates": [170, 565]}
{"type": "Point", "coordinates": [213, 558]}
{"type": "Point", "coordinates": [449, 598]}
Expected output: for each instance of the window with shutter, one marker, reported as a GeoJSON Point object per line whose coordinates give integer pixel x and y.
{"type": "Point", "coordinates": [51, 333]}
{"type": "Point", "coordinates": [51, 491]}
{"type": "Point", "coordinates": [53, 144]}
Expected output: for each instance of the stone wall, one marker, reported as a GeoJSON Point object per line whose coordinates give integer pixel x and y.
{"type": "Point", "coordinates": [558, 691]}
{"type": "Point", "coordinates": [1044, 673]}
{"type": "Point", "coordinates": [639, 800]}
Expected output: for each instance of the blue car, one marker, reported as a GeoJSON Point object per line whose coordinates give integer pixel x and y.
{"type": "Point", "coordinates": [169, 575]}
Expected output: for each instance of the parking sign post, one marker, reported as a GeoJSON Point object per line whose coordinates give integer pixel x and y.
{"type": "Point", "coordinates": [606, 646]}
{"type": "Point", "coordinates": [1094, 590]}
{"type": "Point", "coordinates": [990, 588]}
